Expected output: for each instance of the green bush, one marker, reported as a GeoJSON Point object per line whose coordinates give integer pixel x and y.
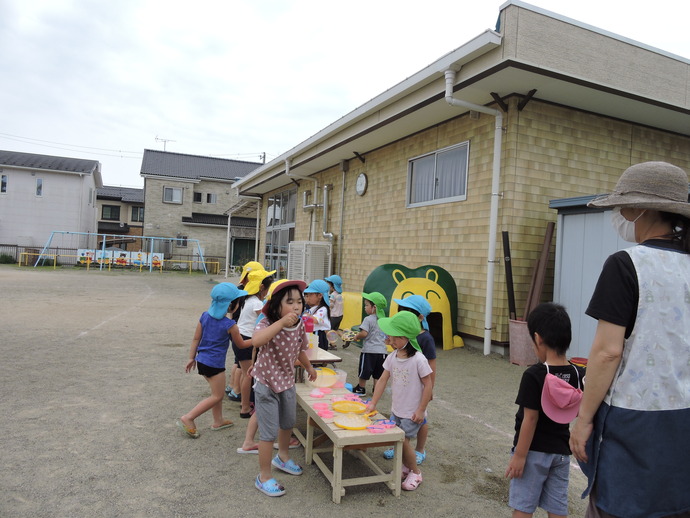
{"type": "Point", "coordinates": [7, 259]}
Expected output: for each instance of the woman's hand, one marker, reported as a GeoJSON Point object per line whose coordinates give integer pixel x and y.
{"type": "Point", "coordinates": [579, 435]}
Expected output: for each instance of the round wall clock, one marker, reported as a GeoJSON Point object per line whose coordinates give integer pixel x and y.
{"type": "Point", "coordinates": [361, 185]}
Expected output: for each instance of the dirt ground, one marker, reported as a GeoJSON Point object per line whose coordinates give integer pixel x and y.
{"type": "Point", "coordinates": [93, 380]}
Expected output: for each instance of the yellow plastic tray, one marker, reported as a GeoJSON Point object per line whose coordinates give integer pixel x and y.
{"type": "Point", "coordinates": [352, 407]}
{"type": "Point", "coordinates": [352, 421]}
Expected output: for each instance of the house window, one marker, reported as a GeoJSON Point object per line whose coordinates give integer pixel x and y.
{"type": "Point", "coordinates": [138, 214]}
{"type": "Point", "coordinates": [438, 177]}
{"type": "Point", "coordinates": [210, 198]}
{"type": "Point", "coordinates": [181, 241]}
{"type": "Point", "coordinates": [172, 195]}
{"type": "Point", "coordinates": [39, 186]}
{"type": "Point", "coordinates": [111, 212]}
{"type": "Point", "coordinates": [197, 197]}
{"type": "Point", "coordinates": [3, 183]}
{"type": "Point", "coordinates": [280, 230]}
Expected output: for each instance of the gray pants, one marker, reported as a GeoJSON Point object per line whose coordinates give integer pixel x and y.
{"type": "Point", "coordinates": [274, 411]}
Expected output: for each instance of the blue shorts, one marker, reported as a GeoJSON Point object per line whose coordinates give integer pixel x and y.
{"type": "Point", "coordinates": [274, 410]}
{"type": "Point", "coordinates": [408, 426]}
{"type": "Point", "coordinates": [544, 483]}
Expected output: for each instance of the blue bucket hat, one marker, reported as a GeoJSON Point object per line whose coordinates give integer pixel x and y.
{"type": "Point", "coordinates": [419, 304]}
{"type": "Point", "coordinates": [222, 296]}
{"type": "Point", "coordinates": [337, 282]}
{"type": "Point", "coordinates": [319, 286]}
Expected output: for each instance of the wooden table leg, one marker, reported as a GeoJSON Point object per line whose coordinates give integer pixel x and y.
{"type": "Point", "coordinates": [397, 467]}
{"type": "Point", "coordinates": [338, 490]}
{"type": "Point", "coordinates": [309, 447]}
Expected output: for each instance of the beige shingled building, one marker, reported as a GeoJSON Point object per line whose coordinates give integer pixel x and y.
{"type": "Point", "coordinates": [576, 105]}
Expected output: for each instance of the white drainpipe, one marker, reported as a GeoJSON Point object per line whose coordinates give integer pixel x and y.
{"type": "Point", "coordinates": [325, 233]}
{"type": "Point", "coordinates": [315, 204]}
{"type": "Point", "coordinates": [493, 218]}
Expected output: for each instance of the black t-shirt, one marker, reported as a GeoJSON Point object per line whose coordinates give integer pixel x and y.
{"type": "Point", "coordinates": [617, 291]}
{"type": "Point", "coordinates": [549, 436]}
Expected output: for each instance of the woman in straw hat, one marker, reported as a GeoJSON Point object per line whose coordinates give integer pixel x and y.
{"type": "Point", "coordinates": [631, 436]}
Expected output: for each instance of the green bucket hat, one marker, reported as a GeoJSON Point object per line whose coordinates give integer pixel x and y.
{"type": "Point", "coordinates": [377, 300]}
{"type": "Point", "coordinates": [404, 324]}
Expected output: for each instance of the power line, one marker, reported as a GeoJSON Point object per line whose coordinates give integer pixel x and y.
{"type": "Point", "coordinates": [17, 137]}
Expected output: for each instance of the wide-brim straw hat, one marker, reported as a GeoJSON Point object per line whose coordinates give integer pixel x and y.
{"type": "Point", "coordinates": [650, 185]}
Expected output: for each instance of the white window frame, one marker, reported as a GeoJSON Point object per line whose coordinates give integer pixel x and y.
{"type": "Point", "coordinates": [212, 198]}
{"type": "Point", "coordinates": [437, 196]}
{"type": "Point", "coordinates": [172, 191]}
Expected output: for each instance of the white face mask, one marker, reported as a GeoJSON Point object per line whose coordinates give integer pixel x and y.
{"type": "Point", "coordinates": [625, 228]}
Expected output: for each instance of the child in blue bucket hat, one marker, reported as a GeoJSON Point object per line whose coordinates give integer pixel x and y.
{"type": "Point", "coordinates": [335, 284]}
{"type": "Point", "coordinates": [316, 297]}
{"type": "Point", "coordinates": [420, 307]}
{"type": "Point", "coordinates": [208, 351]}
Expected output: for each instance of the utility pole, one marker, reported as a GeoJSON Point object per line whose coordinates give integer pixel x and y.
{"type": "Point", "coordinates": [164, 141]}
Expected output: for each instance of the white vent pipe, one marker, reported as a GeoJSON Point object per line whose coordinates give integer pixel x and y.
{"type": "Point", "coordinates": [495, 194]}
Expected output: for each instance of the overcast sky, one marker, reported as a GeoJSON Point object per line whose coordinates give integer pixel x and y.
{"type": "Point", "coordinates": [237, 78]}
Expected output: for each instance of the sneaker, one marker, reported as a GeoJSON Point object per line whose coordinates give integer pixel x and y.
{"type": "Point", "coordinates": [233, 396]}
{"type": "Point", "coordinates": [288, 467]}
{"type": "Point", "coordinates": [412, 481]}
{"type": "Point", "coordinates": [389, 453]}
{"type": "Point", "coordinates": [346, 345]}
{"type": "Point", "coordinates": [270, 487]}
{"type": "Point", "coordinates": [359, 390]}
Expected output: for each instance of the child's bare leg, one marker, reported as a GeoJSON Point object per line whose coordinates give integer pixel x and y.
{"type": "Point", "coordinates": [284, 444]}
{"type": "Point", "coordinates": [520, 514]}
{"type": "Point", "coordinates": [249, 441]}
{"type": "Point", "coordinates": [409, 458]}
{"type": "Point", "coordinates": [217, 384]}
{"type": "Point", "coordinates": [216, 398]}
{"type": "Point", "coordinates": [265, 457]}
{"type": "Point", "coordinates": [245, 385]}
{"type": "Point", "coordinates": [422, 435]}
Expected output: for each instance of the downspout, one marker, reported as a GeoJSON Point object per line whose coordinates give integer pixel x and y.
{"type": "Point", "coordinates": [306, 206]}
{"type": "Point", "coordinates": [325, 233]}
{"type": "Point", "coordinates": [227, 246]}
{"type": "Point", "coordinates": [342, 212]}
{"type": "Point", "coordinates": [493, 214]}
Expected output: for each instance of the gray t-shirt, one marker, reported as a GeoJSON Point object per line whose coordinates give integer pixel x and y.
{"type": "Point", "coordinates": [374, 341]}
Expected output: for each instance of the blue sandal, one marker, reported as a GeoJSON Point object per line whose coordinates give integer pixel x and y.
{"type": "Point", "coordinates": [270, 487]}
{"type": "Point", "coordinates": [288, 467]}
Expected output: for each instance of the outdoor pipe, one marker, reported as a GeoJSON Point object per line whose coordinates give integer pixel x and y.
{"type": "Point", "coordinates": [314, 205]}
{"type": "Point", "coordinates": [493, 212]}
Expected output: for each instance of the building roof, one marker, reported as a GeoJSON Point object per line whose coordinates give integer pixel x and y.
{"type": "Point", "coordinates": [48, 162]}
{"type": "Point", "coordinates": [123, 194]}
{"type": "Point", "coordinates": [200, 218]}
{"type": "Point", "coordinates": [534, 54]}
{"type": "Point", "coordinates": [193, 167]}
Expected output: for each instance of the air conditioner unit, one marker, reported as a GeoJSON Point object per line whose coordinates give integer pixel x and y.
{"type": "Point", "coordinates": [309, 260]}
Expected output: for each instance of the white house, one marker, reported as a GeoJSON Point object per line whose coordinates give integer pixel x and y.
{"type": "Point", "coordinates": [40, 194]}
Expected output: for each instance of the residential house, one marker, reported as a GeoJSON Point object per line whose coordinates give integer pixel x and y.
{"type": "Point", "coordinates": [40, 194]}
{"type": "Point", "coordinates": [121, 215]}
{"type": "Point", "coordinates": [188, 197]}
{"type": "Point", "coordinates": [434, 169]}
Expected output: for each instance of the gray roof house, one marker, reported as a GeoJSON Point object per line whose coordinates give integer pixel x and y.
{"type": "Point", "coordinates": [40, 194]}
{"type": "Point", "coordinates": [189, 196]}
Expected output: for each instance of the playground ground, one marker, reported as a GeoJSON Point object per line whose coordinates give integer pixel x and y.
{"type": "Point", "coordinates": [93, 381]}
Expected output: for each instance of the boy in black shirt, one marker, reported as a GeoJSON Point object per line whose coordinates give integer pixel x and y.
{"type": "Point", "coordinates": [549, 398]}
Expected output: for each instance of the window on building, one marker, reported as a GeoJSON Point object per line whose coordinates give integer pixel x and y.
{"type": "Point", "coordinates": [280, 230]}
{"type": "Point", "coordinates": [197, 197]}
{"type": "Point", "coordinates": [181, 241]}
{"type": "Point", "coordinates": [138, 214]}
{"type": "Point", "coordinates": [3, 183]}
{"type": "Point", "coordinates": [172, 195]}
{"type": "Point", "coordinates": [438, 177]}
{"type": "Point", "coordinates": [39, 186]}
{"type": "Point", "coordinates": [111, 212]}
{"type": "Point", "coordinates": [210, 198]}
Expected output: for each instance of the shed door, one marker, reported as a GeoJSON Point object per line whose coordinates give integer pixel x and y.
{"type": "Point", "coordinates": [584, 241]}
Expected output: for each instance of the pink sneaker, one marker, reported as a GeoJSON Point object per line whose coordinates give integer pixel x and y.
{"type": "Point", "coordinates": [412, 481]}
